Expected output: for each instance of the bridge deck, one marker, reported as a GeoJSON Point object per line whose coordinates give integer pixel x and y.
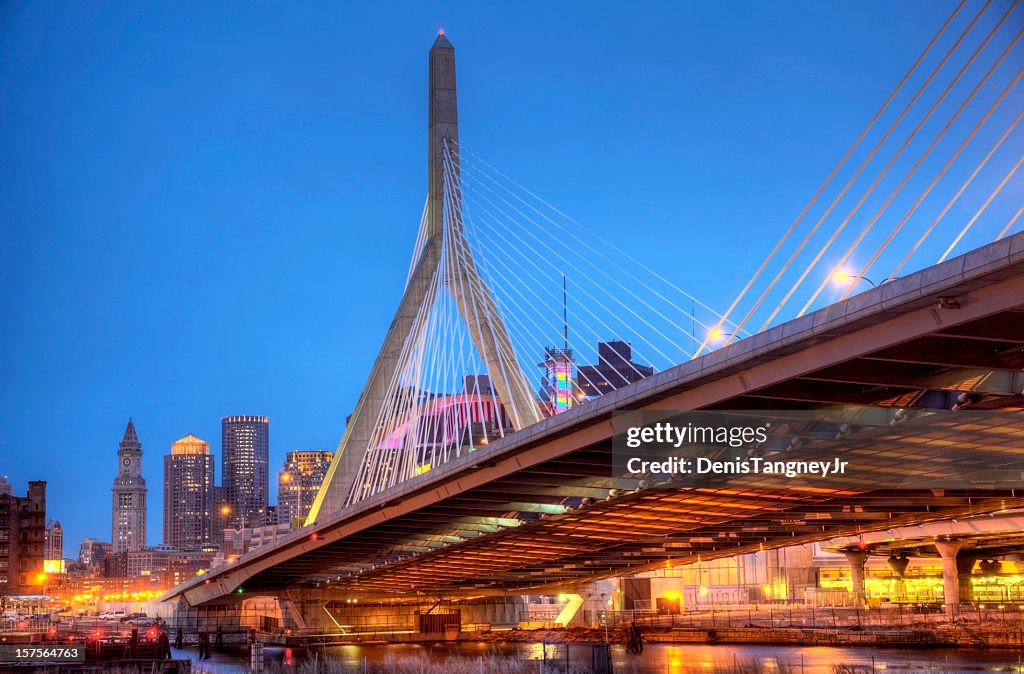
{"type": "Point", "coordinates": [505, 518]}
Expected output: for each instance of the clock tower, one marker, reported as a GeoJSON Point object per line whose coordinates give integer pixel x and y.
{"type": "Point", "coordinates": [128, 511]}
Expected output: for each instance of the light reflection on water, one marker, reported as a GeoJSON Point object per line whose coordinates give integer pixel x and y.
{"type": "Point", "coordinates": [671, 658]}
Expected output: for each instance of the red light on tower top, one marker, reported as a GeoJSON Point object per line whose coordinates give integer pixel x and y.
{"type": "Point", "coordinates": [440, 31]}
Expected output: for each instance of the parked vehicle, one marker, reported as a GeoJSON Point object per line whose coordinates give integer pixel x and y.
{"type": "Point", "coordinates": [134, 617]}
{"type": "Point", "coordinates": [112, 615]}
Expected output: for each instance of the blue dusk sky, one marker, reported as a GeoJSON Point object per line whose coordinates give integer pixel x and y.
{"type": "Point", "coordinates": [208, 208]}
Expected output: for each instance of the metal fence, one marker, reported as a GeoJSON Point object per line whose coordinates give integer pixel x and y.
{"type": "Point", "coordinates": [567, 658]}
{"type": "Point", "coordinates": [836, 617]}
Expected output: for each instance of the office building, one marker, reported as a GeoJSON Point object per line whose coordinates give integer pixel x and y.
{"type": "Point", "coordinates": [615, 369]}
{"type": "Point", "coordinates": [245, 469]}
{"type": "Point", "coordinates": [298, 483]}
{"type": "Point", "coordinates": [189, 507]}
{"type": "Point", "coordinates": [53, 548]}
{"type": "Point", "coordinates": [91, 550]}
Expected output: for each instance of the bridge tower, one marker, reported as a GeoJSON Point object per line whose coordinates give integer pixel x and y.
{"type": "Point", "coordinates": [477, 309]}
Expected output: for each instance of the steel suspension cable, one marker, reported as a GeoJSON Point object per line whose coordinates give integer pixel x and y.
{"type": "Point", "coordinates": [981, 210]}
{"type": "Point", "coordinates": [892, 161]}
{"type": "Point", "coordinates": [1004, 230]}
{"type": "Point", "coordinates": [924, 155]}
{"type": "Point", "coordinates": [892, 127]}
{"type": "Point", "coordinates": [824, 185]}
{"type": "Point", "coordinates": [476, 159]}
{"type": "Point", "coordinates": [954, 199]}
{"type": "Point", "coordinates": [988, 113]}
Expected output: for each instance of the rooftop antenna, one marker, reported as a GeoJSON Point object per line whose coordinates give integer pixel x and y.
{"type": "Point", "coordinates": [565, 315]}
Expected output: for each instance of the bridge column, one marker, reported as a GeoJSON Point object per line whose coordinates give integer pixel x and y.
{"type": "Point", "coordinates": [899, 570]}
{"type": "Point", "coordinates": [857, 560]}
{"type": "Point", "coordinates": [595, 600]}
{"type": "Point", "coordinates": [956, 575]}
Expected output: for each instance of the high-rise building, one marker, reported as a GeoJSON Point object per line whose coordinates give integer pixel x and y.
{"type": "Point", "coordinates": [87, 551]}
{"type": "Point", "coordinates": [299, 481]}
{"type": "Point", "coordinates": [615, 368]}
{"type": "Point", "coordinates": [189, 507]}
{"type": "Point", "coordinates": [92, 552]}
{"type": "Point", "coordinates": [54, 541]}
{"type": "Point", "coordinates": [22, 541]}
{"type": "Point", "coordinates": [556, 389]}
{"type": "Point", "coordinates": [245, 471]}
{"type": "Point", "coordinates": [128, 509]}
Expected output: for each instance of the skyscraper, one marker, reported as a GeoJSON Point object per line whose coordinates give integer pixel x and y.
{"type": "Point", "coordinates": [54, 541]}
{"type": "Point", "coordinates": [615, 368]}
{"type": "Point", "coordinates": [189, 508]}
{"type": "Point", "coordinates": [128, 509]}
{"type": "Point", "coordinates": [299, 481]}
{"type": "Point", "coordinates": [245, 472]}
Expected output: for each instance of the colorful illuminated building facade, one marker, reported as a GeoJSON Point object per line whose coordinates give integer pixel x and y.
{"type": "Point", "coordinates": [557, 391]}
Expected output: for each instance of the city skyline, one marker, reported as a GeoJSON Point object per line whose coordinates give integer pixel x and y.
{"type": "Point", "coordinates": [215, 327]}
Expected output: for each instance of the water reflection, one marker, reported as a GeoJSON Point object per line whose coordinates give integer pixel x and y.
{"type": "Point", "coordinates": [667, 658]}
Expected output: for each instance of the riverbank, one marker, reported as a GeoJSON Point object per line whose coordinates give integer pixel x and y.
{"type": "Point", "coordinates": [969, 635]}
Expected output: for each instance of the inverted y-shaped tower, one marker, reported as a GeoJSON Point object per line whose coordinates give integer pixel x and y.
{"type": "Point", "coordinates": [474, 300]}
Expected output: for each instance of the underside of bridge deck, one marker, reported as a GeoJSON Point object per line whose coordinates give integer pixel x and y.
{"type": "Point", "coordinates": [544, 508]}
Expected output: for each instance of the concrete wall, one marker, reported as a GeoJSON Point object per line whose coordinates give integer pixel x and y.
{"type": "Point", "coordinates": [495, 611]}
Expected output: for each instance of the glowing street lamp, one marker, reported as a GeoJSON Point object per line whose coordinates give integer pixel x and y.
{"type": "Point", "coordinates": [716, 335]}
{"type": "Point", "coordinates": [842, 277]}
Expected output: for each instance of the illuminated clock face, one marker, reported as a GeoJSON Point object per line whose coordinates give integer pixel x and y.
{"type": "Point", "coordinates": [127, 462]}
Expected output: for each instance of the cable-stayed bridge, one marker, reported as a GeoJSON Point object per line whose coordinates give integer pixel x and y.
{"type": "Point", "coordinates": [479, 457]}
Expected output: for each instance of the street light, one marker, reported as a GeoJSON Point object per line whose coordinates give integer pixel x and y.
{"type": "Point", "coordinates": [844, 278]}
{"type": "Point", "coordinates": [716, 335]}
{"type": "Point", "coordinates": [41, 579]}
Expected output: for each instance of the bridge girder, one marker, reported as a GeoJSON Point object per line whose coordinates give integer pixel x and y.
{"type": "Point", "coordinates": [641, 530]}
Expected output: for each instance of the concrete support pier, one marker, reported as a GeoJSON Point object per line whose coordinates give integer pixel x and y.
{"type": "Point", "coordinates": [899, 569]}
{"type": "Point", "coordinates": [956, 575]}
{"type": "Point", "coordinates": [595, 600]}
{"type": "Point", "coordinates": [857, 559]}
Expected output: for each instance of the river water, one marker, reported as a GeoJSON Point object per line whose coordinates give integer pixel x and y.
{"type": "Point", "coordinates": [663, 658]}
